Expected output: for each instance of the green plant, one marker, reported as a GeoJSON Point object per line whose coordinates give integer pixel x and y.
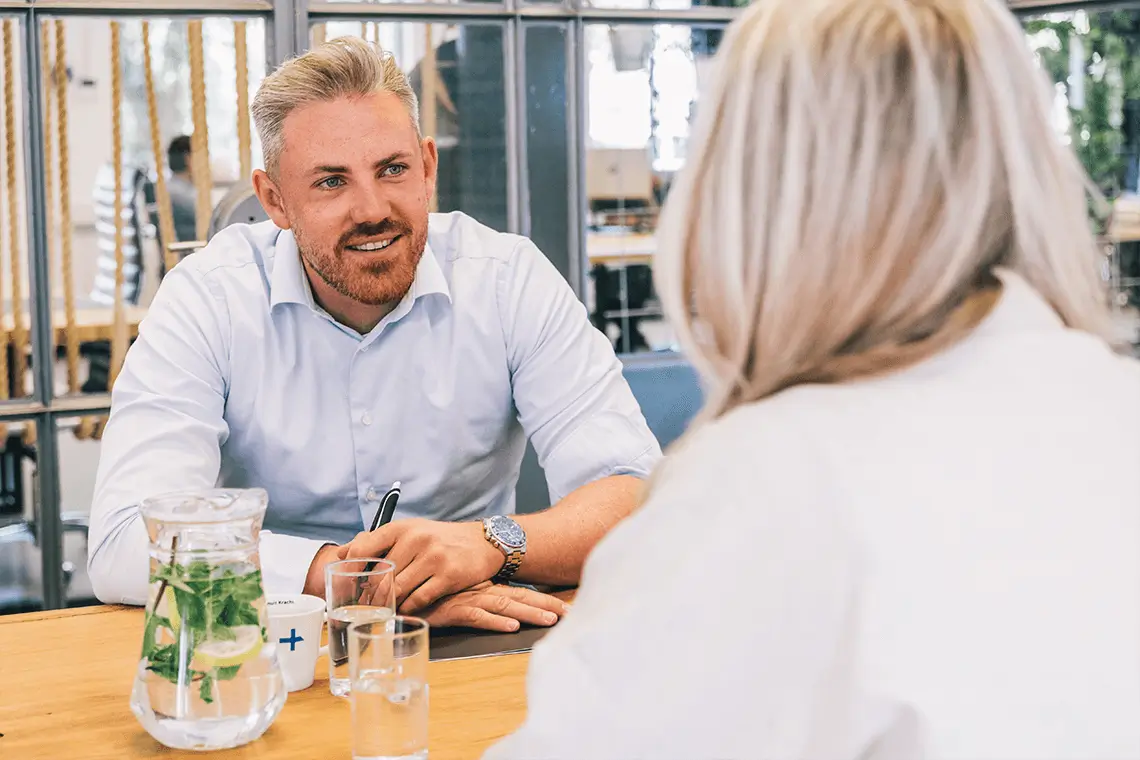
{"type": "Point", "coordinates": [208, 606]}
{"type": "Point", "coordinates": [1110, 69]}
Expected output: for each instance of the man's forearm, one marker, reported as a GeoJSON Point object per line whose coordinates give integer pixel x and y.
{"type": "Point", "coordinates": [560, 538]}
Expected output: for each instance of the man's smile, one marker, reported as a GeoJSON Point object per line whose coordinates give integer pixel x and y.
{"type": "Point", "coordinates": [373, 245]}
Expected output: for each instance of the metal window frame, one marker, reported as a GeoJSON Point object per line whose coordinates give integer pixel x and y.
{"type": "Point", "coordinates": [43, 408]}
{"type": "Point", "coordinates": [287, 32]}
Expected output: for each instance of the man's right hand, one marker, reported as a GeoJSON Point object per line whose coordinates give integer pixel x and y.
{"type": "Point", "coordinates": [315, 580]}
{"type": "Point", "coordinates": [494, 607]}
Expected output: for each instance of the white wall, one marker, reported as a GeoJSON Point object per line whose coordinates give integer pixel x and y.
{"type": "Point", "coordinates": [89, 109]}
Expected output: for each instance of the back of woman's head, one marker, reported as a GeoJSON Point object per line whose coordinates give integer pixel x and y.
{"type": "Point", "coordinates": [859, 168]}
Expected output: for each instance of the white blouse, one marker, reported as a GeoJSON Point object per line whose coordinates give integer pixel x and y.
{"type": "Point", "coordinates": [941, 563]}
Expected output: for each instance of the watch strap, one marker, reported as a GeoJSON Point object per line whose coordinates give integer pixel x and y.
{"type": "Point", "coordinates": [510, 567]}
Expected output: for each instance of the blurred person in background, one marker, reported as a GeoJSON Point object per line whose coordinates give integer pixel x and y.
{"type": "Point", "coordinates": [907, 525]}
{"type": "Point", "coordinates": [183, 194]}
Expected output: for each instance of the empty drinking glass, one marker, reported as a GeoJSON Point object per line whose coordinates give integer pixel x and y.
{"type": "Point", "coordinates": [354, 590]}
{"type": "Point", "coordinates": [388, 665]}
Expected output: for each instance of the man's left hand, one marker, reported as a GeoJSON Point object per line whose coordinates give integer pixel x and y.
{"type": "Point", "coordinates": [432, 559]}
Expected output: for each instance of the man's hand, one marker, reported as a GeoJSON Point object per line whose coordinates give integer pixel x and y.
{"type": "Point", "coordinates": [315, 580]}
{"type": "Point", "coordinates": [433, 559]}
{"type": "Point", "coordinates": [495, 608]}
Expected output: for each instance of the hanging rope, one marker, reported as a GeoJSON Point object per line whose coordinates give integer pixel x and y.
{"type": "Point", "coordinates": [119, 323]}
{"type": "Point", "coordinates": [20, 328]}
{"type": "Point", "coordinates": [49, 141]}
{"type": "Point", "coordinates": [166, 232]}
{"type": "Point", "coordinates": [71, 336]}
{"type": "Point", "coordinates": [200, 140]}
{"type": "Point", "coordinates": [119, 330]}
{"type": "Point", "coordinates": [242, 62]}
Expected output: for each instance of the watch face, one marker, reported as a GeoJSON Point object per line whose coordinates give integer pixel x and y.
{"type": "Point", "coordinates": [507, 530]}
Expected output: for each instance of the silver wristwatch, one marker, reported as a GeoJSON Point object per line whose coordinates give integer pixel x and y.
{"type": "Point", "coordinates": [507, 536]}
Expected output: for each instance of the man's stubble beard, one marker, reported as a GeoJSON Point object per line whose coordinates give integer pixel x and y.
{"type": "Point", "coordinates": [375, 285]}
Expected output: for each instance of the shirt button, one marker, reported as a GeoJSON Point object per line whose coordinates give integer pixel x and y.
{"type": "Point", "coordinates": [366, 419]}
{"type": "Point", "coordinates": [372, 495]}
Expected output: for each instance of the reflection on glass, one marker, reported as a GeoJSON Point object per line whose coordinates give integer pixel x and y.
{"type": "Point", "coordinates": [15, 277]}
{"type": "Point", "coordinates": [456, 71]}
{"type": "Point", "coordinates": [21, 589]}
{"type": "Point", "coordinates": [670, 5]}
{"type": "Point", "coordinates": [1092, 60]}
{"type": "Point", "coordinates": [389, 2]}
{"type": "Point", "coordinates": [548, 150]}
{"type": "Point", "coordinates": [204, 152]}
{"type": "Point", "coordinates": [641, 85]}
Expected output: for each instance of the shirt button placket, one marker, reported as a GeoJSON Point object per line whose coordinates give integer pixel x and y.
{"type": "Point", "coordinates": [358, 398]}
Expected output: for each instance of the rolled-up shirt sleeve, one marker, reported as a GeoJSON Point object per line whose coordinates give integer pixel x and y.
{"type": "Point", "coordinates": [572, 399]}
{"type": "Point", "coordinates": [165, 434]}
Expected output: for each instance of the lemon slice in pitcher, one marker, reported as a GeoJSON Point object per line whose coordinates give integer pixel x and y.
{"type": "Point", "coordinates": [226, 654]}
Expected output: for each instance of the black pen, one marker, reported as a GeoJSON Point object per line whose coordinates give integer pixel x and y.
{"type": "Point", "coordinates": [387, 507]}
{"type": "Point", "coordinates": [384, 514]}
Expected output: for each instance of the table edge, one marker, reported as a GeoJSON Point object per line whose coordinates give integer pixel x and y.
{"type": "Point", "coordinates": [31, 617]}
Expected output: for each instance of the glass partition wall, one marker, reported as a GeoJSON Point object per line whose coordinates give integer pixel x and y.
{"type": "Point", "coordinates": [112, 113]}
{"type": "Point", "coordinates": [124, 124]}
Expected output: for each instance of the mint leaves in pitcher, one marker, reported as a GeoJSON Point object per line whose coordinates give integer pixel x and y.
{"type": "Point", "coordinates": [209, 613]}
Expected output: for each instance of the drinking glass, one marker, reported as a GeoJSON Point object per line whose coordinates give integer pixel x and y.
{"type": "Point", "coordinates": [354, 590]}
{"type": "Point", "coordinates": [388, 665]}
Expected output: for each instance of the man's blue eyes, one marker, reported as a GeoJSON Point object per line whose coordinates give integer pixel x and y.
{"type": "Point", "coordinates": [331, 183]}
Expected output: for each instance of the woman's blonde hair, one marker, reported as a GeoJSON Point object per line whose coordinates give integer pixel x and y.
{"type": "Point", "coordinates": [342, 67]}
{"type": "Point", "coordinates": [859, 168]}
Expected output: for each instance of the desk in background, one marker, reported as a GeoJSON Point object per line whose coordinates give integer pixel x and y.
{"type": "Point", "coordinates": [620, 268]}
{"type": "Point", "coordinates": [620, 249]}
{"type": "Point", "coordinates": [91, 324]}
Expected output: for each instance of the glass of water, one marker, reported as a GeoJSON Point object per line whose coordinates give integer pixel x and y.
{"type": "Point", "coordinates": [355, 590]}
{"type": "Point", "coordinates": [388, 664]}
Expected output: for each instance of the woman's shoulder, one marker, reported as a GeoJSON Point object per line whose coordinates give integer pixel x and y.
{"type": "Point", "coordinates": [757, 459]}
{"type": "Point", "coordinates": [783, 426]}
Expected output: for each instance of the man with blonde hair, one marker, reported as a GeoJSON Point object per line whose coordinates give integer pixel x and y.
{"type": "Point", "coordinates": [356, 340]}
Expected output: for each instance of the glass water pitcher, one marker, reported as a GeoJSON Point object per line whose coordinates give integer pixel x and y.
{"type": "Point", "coordinates": [208, 677]}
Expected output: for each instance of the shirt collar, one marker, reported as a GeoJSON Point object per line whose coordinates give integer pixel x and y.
{"type": "Point", "coordinates": [1021, 308]}
{"type": "Point", "coordinates": [290, 284]}
{"type": "Point", "coordinates": [429, 277]}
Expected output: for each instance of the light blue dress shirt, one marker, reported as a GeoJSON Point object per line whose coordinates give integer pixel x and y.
{"type": "Point", "coordinates": [238, 378]}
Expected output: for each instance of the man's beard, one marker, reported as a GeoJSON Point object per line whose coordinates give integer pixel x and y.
{"type": "Point", "coordinates": [373, 283]}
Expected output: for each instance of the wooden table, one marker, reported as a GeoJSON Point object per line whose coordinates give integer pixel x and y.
{"type": "Point", "coordinates": [66, 676]}
{"type": "Point", "coordinates": [90, 324]}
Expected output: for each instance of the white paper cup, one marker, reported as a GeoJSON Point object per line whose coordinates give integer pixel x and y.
{"type": "Point", "coordinates": [295, 622]}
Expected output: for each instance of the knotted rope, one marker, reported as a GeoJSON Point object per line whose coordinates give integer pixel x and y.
{"type": "Point", "coordinates": [200, 140]}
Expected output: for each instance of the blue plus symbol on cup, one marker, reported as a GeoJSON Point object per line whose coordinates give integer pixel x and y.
{"type": "Point", "coordinates": [292, 640]}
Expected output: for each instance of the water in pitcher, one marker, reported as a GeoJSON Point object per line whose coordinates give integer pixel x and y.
{"type": "Point", "coordinates": [339, 621]}
{"type": "Point", "coordinates": [207, 676]}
